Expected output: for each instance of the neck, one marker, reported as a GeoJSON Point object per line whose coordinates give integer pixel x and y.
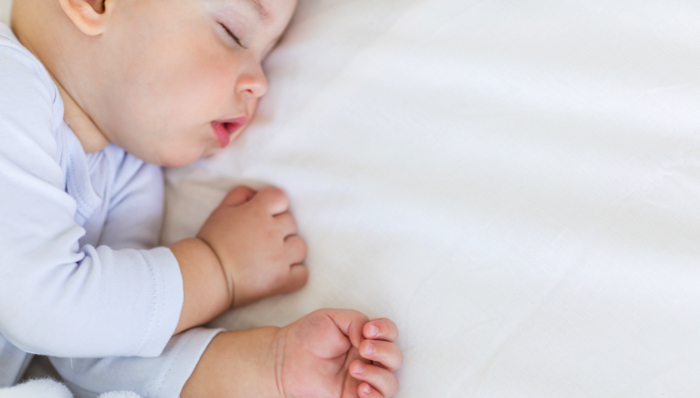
{"type": "Point", "coordinates": [82, 125]}
{"type": "Point", "coordinates": [90, 137]}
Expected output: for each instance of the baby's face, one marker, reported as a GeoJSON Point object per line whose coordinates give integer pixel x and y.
{"type": "Point", "coordinates": [186, 74]}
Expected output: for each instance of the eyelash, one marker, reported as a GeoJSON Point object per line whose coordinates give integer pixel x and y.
{"type": "Point", "coordinates": [234, 37]}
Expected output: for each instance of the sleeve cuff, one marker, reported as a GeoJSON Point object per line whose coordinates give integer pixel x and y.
{"type": "Point", "coordinates": [161, 377]}
{"type": "Point", "coordinates": [167, 303]}
{"type": "Point", "coordinates": [181, 356]}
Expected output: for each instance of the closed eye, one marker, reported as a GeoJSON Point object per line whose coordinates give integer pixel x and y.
{"type": "Point", "coordinates": [234, 37]}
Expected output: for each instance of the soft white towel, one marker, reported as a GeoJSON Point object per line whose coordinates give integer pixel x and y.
{"type": "Point", "coordinates": [47, 388]}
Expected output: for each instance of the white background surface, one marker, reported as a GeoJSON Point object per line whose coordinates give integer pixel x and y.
{"type": "Point", "coordinates": [5, 11]}
{"type": "Point", "coordinates": [515, 183]}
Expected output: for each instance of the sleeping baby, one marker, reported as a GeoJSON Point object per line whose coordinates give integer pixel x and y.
{"type": "Point", "coordinates": [95, 96]}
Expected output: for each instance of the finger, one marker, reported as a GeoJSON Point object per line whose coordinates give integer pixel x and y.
{"type": "Point", "coordinates": [298, 275]}
{"type": "Point", "coordinates": [349, 322]}
{"type": "Point", "coordinates": [296, 249]}
{"type": "Point", "coordinates": [364, 390]}
{"type": "Point", "coordinates": [381, 329]}
{"type": "Point", "coordinates": [387, 354]}
{"type": "Point", "coordinates": [274, 200]}
{"type": "Point", "coordinates": [287, 223]}
{"type": "Point", "coordinates": [379, 378]}
{"type": "Point", "coordinates": [238, 196]}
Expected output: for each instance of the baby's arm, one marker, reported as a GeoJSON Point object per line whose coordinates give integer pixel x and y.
{"type": "Point", "coordinates": [247, 250]}
{"type": "Point", "coordinates": [329, 353]}
{"type": "Point", "coordinates": [204, 283]}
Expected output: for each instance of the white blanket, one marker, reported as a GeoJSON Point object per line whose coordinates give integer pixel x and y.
{"type": "Point", "coordinates": [515, 183]}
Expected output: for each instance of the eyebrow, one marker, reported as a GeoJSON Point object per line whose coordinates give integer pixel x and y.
{"type": "Point", "coordinates": [262, 12]}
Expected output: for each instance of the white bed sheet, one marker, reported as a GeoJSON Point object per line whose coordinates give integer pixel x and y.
{"type": "Point", "coordinates": [515, 183]}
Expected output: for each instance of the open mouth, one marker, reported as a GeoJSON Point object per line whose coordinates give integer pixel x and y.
{"type": "Point", "coordinates": [225, 129]}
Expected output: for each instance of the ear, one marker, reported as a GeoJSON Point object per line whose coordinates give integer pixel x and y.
{"type": "Point", "coordinates": [87, 15]}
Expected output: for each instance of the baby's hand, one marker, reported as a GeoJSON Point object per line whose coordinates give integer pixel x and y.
{"type": "Point", "coordinates": [339, 354]}
{"type": "Point", "coordinates": [254, 237]}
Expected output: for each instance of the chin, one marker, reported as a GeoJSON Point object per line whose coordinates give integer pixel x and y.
{"type": "Point", "coordinates": [210, 152]}
{"type": "Point", "coordinates": [180, 158]}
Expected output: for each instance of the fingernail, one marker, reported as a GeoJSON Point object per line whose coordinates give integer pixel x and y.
{"type": "Point", "coordinates": [368, 389]}
{"type": "Point", "coordinates": [360, 368]}
{"type": "Point", "coordinates": [369, 349]}
{"type": "Point", "coordinates": [373, 331]}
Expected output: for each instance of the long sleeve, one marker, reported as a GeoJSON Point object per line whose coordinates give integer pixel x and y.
{"type": "Point", "coordinates": [58, 297]}
{"type": "Point", "coordinates": [134, 220]}
{"type": "Point", "coordinates": [135, 212]}
{"type": "Point", "coordinates": [160, 377]}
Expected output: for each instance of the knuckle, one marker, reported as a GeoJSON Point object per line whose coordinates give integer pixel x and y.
{"type": "Point", "coordinates": [293, 223]}
{"type": "Point", "coordinates": [281, 281]}
{"type": "Point", "coordinates": [275, 198]}
{"type": "Point", "coordinates": [287, 219]}
{"type": "Point", "coordinates": [241, 189]}
{"type": "Point", "coordinates": [296, 243]}
{"type": "Point", "coordinates": [275, 193]}
{"type": "Point", "coordinates": [300, 242]}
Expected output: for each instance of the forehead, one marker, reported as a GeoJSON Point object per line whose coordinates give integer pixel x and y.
{"type": "Point", "coordinates": [267, 11]}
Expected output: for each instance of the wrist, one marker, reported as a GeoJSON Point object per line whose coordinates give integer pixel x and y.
{"type": "Point", "coordinates": [237, 364]}
{"type": "Point", "coordinates": [226, 274]}
{"type": "Point", "coordinates": [206, 292]}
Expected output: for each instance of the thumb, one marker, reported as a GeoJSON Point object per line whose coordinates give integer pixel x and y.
{"type": "Point", "coordinates": [238, 196]}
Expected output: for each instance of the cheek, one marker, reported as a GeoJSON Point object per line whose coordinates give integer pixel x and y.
{"type": "Point", "coordinates": [183, 81]}
{"type": "Point", "coordinates": [194, 95]}
{"type": "Point", "coordinates": [209, 81]}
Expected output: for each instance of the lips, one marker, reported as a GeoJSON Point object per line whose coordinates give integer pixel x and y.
{"type": "Point", "coordinates": [225, 129]}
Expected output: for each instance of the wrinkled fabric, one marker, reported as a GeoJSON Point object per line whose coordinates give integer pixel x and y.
{"type": "Point", "coordinates": [515, 183]}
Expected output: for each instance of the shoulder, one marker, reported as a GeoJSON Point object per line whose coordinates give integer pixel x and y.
{"type": "Point", "coordinates": [31, 110]}
{"type": "Point", "coordinates": [22, 74]}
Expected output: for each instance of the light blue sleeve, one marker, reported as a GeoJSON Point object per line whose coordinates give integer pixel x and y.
{"type": "Point", "coordinates": [57, 298]}
{"type": "Point", "coordinates": [134, 221]}
{"type": "Point", "coordinates": [161, 377]}
{"type": "Point", "coordinates": [135, 213]}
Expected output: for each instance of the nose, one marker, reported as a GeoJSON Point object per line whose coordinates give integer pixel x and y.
{"type": "Point", "coordinates": [252, 82]}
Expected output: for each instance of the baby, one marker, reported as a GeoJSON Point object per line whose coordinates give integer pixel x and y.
{"type": "Point", "coordinates": [94, 96]}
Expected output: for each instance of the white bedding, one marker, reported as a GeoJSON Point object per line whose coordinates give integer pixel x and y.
{"type": "Point", "coordinates": [515, 183]}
